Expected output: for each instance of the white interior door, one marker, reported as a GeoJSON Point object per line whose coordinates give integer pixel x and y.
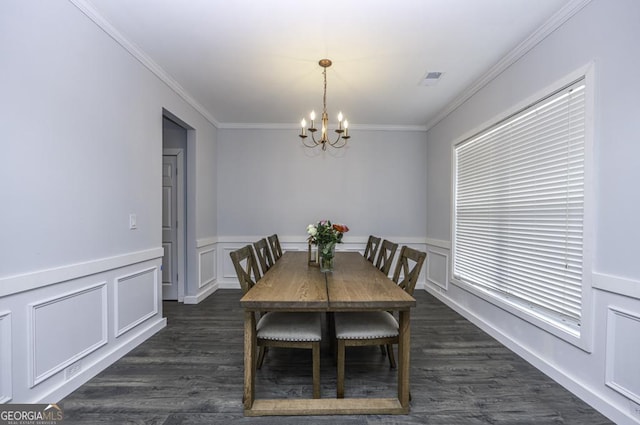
{"type": "Point", "coordinates": [170, 276]}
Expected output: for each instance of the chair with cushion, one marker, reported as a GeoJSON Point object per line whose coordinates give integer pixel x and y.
{"type": "Point", "coordinates": [372, 248]}
{"type": "Point", "coordinates": [280, 329]}
{"type": "Point", "coordinates": [276, 249]}
{"type": "Point", "coordinates": [385, 256]}
{"type": "Point", "coordinates": [376, 327]}
{"type": "Point", "coordinates": [264, 255]}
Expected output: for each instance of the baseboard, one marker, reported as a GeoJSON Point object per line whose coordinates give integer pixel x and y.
{"type": "Point", "coordinates": [196, 299]}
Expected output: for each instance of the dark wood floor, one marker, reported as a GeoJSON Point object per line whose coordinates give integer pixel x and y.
{"type": "Point", "coordinates": [192, 371]}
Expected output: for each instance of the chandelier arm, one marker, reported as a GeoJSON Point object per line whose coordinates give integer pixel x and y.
{"type": "Point", "coordinates": [338, 146]}
{"type": "Point", "coordinates": [315, 143]}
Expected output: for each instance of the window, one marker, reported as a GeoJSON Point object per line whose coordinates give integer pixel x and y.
{"type": "Point", "coordinates": [519, 210]}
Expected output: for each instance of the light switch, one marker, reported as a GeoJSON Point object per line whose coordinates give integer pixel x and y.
{"type": "Point", "coordinates": [133, 221]}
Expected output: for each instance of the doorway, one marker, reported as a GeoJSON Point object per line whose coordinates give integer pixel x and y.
{"type": "Point", "coordinates": [174, 144]}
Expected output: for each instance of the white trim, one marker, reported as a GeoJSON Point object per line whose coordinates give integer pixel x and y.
{"type": "Point", "coordinates": [439, 243]}
{"type": "Point", "coordinates": [444, 253]}
{"type": "Point", "coordinates": [107, 359]}
{"type": "Point", "coordinates": [613, 315]}
{"type": "Point", "coordinates": [286, 126]}
{"type": "Point", "coordinates": [19, 283]}
{"type": "Point", "coordinates": [195, 299]}
{"type": "Point", "coordinates": [201, 255]}
{"type": "Point", "coordinates": [205, 242]}
{"type": "Point", "coordinates": [616, 284]}
{"type": "Point", "coordinates": [116, 289]}
{"type": "Point", "coordinates": [553, 23]}
{"type": "Point", "coordinates": [33, 307]}
{"type": "Point", "coordinates": [6, 367]}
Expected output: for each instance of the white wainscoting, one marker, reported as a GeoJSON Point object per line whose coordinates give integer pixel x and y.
{"type": "Point", "coordinates": [207, 267]}
{"type": "Point", "coordinates": [227, 275]}
{"type": "Point", "coordinates": [438, 267]}
{"type": "Point", "coordinates": [136, 296]}
{"type": "Point", "coordinates": [206, 271]}
{"type": "Point", "coordinates": [5, 356]}
{"type": "Point", "coordinates": [75, 328]}
{"type": "Point", "coordinates": [57, 338]}
{"type": "Point", "coordinates": [622, 372]}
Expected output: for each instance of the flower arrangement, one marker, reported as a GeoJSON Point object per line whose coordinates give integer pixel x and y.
{"type": "Point", "coordinates": [326, 236]}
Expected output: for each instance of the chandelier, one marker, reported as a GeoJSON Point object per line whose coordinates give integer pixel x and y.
{"type": "Point", "coordinates": [343, 125]}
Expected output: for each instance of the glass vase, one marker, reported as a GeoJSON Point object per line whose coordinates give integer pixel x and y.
{"type": "Point", "coordinates": [327, 254]}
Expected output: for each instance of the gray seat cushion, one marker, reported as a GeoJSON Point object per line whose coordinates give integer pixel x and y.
{"type": "Point", "coordinates": [365, 325]}
{"type": "Point", "coordinates": [284, 326]}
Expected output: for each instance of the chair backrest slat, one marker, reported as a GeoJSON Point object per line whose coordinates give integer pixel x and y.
{"type": "Point", "coordinates": [372, 248]}
{"type": "Point", "coordinates": [276, 249]}
{"type": "Point", "coordinates": [246, 265]}
{"type": "Point", "coordinates": [264, 255]}
{"type": "Point", "coordinates": [409, 266]}
{"type": "Point", "coordinates": [385, 256]}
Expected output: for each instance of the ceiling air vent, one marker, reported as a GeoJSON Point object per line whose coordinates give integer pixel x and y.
{"type": "Point", "coordinates": [431, 79]}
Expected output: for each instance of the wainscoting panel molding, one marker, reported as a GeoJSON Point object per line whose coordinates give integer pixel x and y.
{"type": "Point", "coordinates": [6, 345]}
{"type": "Point", "coordinates": [136, 299]}
{"type": "Point", "coordinates": [438, 267]}
{"type": "Point", "coordinates": [622, 366]}
{"type": "Point", "coordinates": [65, 329]}
{"type": "Point", "coordinates": [228, 271]}
{"type": "Point", "coordinates": [207, 267]}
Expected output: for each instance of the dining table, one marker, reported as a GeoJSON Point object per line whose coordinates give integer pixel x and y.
{"type": "Point", "coordinates": [355, 284]}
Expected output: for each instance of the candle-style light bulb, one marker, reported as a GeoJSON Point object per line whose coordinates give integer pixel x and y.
{"type": "Point", "coordinates": [346, 124]}
{"type": "Point", "coordinates": [346, 129]}
{"type": "Point", "coordinates": [312, 115]}
{"type": "Point", "coordinates": [340, 117]}
{"type": "Point", "coordinates": [303, 123]}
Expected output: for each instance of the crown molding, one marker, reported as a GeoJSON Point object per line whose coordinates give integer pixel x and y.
{"type": "Point", "coordinates": [90, 12]}
{"type": "Point", "coordinates": [362, 127]}
{"type": "Point", "coordinates": [552, 24]}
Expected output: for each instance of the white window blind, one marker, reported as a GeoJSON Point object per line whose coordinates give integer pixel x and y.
{"type": "Point", "coordinates": [519, 208]}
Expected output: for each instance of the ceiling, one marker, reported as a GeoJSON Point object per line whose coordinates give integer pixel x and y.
{"type": "Point", "coordinates": [247, 63]}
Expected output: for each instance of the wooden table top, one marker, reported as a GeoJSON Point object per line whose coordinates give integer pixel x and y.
{"type": "Point", "coordinates": [289, 284]}
{"type": "Point", "coordinates": [355, 284]}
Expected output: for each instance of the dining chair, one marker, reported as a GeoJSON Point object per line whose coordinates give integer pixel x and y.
{"type": "Point", "coordinates": [264, 255]}
{"type": "Point", "coordinates": [376, 327]}
{"type": "Point", "coordinates": [276, 249]}
{"type": "Point", "coordinates": [385, 256]}
{"type": "Point", "coordinates": [280, 329]}
{"type": "Point", "coordinates": [372, 248]}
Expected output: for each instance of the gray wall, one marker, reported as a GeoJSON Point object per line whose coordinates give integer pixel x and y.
{"type": "Point", "coordinates": [268, 182]}
{"type": "Point", "coordinates": [603, 34]}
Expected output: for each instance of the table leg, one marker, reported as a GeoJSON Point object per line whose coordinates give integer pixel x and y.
{"type": "Point", "coordinates": [404, 350]}
{"type": "Point", "coordinates": [249, 359]}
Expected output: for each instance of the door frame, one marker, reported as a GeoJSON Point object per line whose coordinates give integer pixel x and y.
{"type": "Point", "coordinates": [182, 224]}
